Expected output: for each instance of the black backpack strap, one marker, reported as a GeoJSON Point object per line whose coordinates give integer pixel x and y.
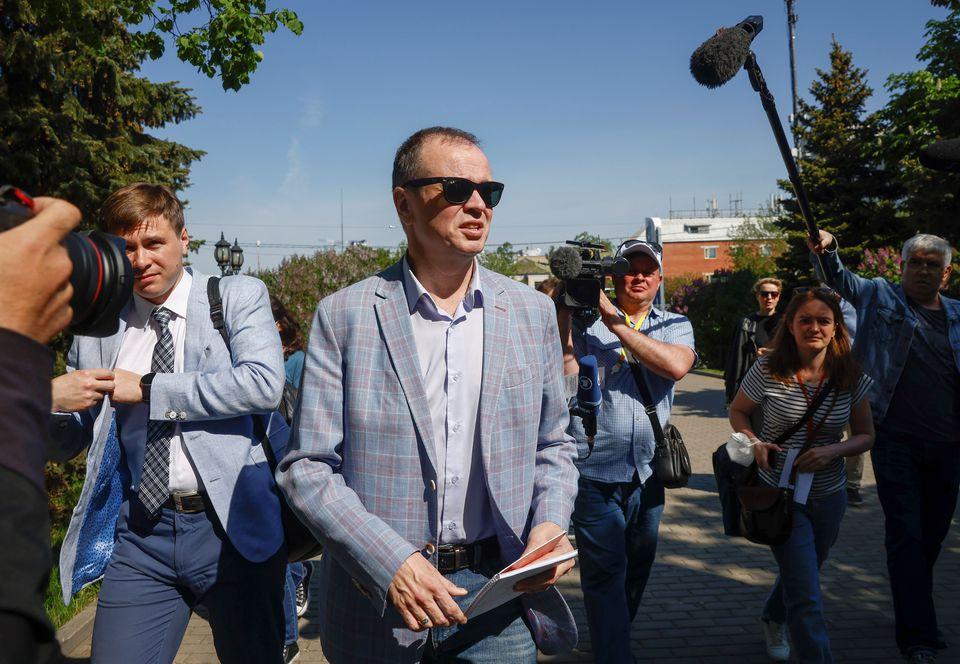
{"type": "Point", "coordinates": [811, 409]}
{"type": "Point", "coordinates": [216, 315]}
{"type": "Point", "coordinates": [216, 308]}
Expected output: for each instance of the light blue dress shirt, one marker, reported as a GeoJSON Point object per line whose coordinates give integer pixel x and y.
{"type": "Point", "coordinates": [624, 443]}
{"type": "Point", "coordinates": [450, 352]}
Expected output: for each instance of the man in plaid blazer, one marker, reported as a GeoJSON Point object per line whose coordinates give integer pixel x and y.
{"type": "Point", "coordinates": [429, 449]}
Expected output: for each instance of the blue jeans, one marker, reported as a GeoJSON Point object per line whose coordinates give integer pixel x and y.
{"type": "Point", "coordinates": [161, 569]}
{"type": "Point", "coordinates": [496, 637]}
{"type": "Point", "coordinates": [795, 598]}
{"type": "Point", "coordinates": [917, 481]}
{"type": "Point", "coordinates": [294, 575]}
{"type": "Point", "coordinates": [616, 526]}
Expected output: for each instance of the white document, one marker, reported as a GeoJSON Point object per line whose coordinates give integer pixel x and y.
{"type": "Point", "coordinates": [499, 589]}
{"type": "Point", "coordinates": [804, 480]}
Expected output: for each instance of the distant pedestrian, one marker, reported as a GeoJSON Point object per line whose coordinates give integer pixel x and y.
{"type": "Point", "coordinates": [752, 334]}
{"type": "Point", "coordinates": [296, 589]}
{"type": "Point", "coordinates": [809, 353]}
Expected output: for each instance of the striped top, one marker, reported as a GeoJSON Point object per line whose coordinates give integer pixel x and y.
{"type": "Point", "coordinates": [783, 405]}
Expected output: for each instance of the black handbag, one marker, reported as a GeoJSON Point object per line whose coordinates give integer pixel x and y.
{"type": "Point", "coordinates": [300, 542]}
{"type": "Point", "coordinates": [671, 462]}
{"type": "Point", "coordinates": [766, 512]}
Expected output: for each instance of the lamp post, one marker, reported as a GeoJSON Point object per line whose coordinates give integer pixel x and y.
{"type": "Point", "coordinates": [236, 257]}
{"type": "Point", "coordinates": [221, 253]}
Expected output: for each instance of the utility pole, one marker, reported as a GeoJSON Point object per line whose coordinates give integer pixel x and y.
{"type": "Point", "coordinates": [795, 116]}
{"type": "Point", "coordinates": [341, 220]}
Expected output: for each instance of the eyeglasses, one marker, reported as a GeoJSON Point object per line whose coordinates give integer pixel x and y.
{"type": "Point", "coordinates": [771, 294]}
{"type": "Point", "coordinates": [821, 290]}
{"type": "Point", "coordinates": [458, 191]}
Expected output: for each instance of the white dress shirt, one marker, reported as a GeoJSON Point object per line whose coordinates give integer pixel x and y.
{"type": "Point", "coordinates": [136, 355]}
{"type": "Point", "coordinates": [450, 351]}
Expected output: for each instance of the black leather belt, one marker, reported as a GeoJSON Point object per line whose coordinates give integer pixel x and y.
{"type": "Point", "coordinates": [455, 557]}
{"type": "Point", "coordinates": [186, 503]}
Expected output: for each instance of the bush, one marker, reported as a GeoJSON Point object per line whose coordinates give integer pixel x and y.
{"type": "Point", "coordinates": [713, 308]}
{"type": "Point", "coordinates": [300, 282]}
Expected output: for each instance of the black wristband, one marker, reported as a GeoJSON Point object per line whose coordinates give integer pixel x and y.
{"type": "Point", "coordinates": [145, 382]}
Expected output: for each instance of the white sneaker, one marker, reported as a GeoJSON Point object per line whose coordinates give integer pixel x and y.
{"type": "Point", "coordinates": [775, 636]}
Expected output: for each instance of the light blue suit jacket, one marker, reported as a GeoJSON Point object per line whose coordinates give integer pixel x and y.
{"type": "Point", "coordinates": [362, 468]}
{"type": "Point", "coordinates": [212, 400]}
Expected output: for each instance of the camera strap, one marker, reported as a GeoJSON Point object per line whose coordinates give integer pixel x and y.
{"type": "Point", "coordinates": [646, 400]}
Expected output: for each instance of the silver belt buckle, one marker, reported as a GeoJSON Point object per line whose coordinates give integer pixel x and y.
{"type": "Point", "coordinates": [178, 497]}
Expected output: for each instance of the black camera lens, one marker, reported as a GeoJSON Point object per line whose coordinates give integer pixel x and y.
{"type": "Point", "coordinates": [102, 276]}
{"type": "Point", "coordinates": [102, 281]}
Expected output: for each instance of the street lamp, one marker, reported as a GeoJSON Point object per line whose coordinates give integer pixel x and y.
{"type": "Point", "coordinates": [236, 256]}
{"type": "Point", "coordinates": [221, 252]}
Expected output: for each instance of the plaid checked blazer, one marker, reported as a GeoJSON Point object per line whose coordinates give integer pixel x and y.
{"type": "Point", "coordinates": [361, 469]}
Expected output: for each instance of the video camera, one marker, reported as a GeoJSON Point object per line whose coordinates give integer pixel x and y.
{"type": "Point", "coordinates": [583, 270]}
{"type": "Point", "coordinates": [102, 276]}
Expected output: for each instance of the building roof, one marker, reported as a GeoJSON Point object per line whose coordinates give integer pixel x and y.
{"type": "Point", "coordinates": [708, 229]}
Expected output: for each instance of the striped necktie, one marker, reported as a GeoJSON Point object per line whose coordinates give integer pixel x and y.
{"type": "Point", "coordinates": [155, 478]}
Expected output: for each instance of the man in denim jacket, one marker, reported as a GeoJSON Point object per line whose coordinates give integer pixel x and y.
{"type": "Point", "coordinates": [908, 341]}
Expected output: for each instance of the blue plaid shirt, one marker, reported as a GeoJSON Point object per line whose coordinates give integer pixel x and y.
{"type": "Point", "coordinates": [624, 444]}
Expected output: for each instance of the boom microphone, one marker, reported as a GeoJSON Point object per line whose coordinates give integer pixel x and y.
{"type": "Point", "coordinates": [942, 156]}
{"type": "Point", "coordinates": [718, 59]}
{"type": "Point", "coordinates": [566, 263]}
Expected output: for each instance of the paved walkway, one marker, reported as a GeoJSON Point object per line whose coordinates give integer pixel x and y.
{"type": "Point", "coordinates": [706, 590]}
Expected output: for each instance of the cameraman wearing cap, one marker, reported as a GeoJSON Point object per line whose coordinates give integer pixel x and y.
{"type": "Point", "coordinates": [617, 512]}
{"type": "Point", "coordinates": [34, 305]}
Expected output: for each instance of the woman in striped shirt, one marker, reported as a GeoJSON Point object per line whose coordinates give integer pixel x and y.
{"type": "Point", "coordinates": [810, 350]}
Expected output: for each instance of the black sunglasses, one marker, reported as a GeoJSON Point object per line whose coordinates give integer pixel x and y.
{"type": "Point", "coordinates": [773, 294]}
{"type": "Point", "coordinates": [822, 290]}
{"type": "Point", "coordinates": [458, 191]}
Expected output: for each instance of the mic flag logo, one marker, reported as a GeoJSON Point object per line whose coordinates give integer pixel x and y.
{"type": "Point", "coordinates": [586, 383]}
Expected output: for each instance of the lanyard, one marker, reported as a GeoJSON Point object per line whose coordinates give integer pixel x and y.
{"type": "Point", "coordinates": [808, 399]}
{"type": "Point", "coordinates": [634, 326]}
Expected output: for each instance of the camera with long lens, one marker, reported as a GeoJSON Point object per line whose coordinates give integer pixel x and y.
{"type": "Point", "coordinates": [102, 277]}
{"type": "Point", "coordinates": [583, 269]}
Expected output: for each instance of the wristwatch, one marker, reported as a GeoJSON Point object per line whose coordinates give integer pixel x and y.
{"type": "Point", "coordinates": [145, 381]}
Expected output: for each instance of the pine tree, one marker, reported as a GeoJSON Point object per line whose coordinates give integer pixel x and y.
{"type": "Point", "coordinates": [924, 107]}
{"type": "Point", "coordinates": [850, 195]}
{"type": "Point", "coordinates": [74, 114]}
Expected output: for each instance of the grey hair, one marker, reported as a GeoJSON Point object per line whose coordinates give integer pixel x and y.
{"type": "Point", "coordinates": [407, 161]}
{"type": "Point", "coordinates": [925, 242]}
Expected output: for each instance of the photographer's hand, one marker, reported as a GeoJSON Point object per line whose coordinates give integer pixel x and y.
{"type": "Point", "coordinates": [608, 313]}
{"type": "Point", "coordinates": [81, 389]}
{"type": "Point", "coordinates": [35, 272]}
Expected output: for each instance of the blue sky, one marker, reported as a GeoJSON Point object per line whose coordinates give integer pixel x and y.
{"type": "Point", "coordinates": [587, 113]}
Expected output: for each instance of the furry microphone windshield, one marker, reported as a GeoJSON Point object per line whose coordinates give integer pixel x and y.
{"type": "Point", "coordinates": [718, 59]}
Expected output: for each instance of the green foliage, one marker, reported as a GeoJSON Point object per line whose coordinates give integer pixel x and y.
{"type": "Point", "coordinates": [850, 194]}
{"type": "Point", "coordinates": [73, 112]}
{"type": "Point", "coordinates": [713, 308]}
{"type": "Point", "coordinates": [502, 260]}
{"type": "Point", "coordinates": [924, 107]}
{"type": "Point", "coordinates": [756, 245]}
{"type": "Point", "coordinates": [224, 46]}
{"type": "Point", "coordinates": [300, 282]}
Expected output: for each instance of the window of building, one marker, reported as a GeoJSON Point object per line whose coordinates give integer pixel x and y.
{"type": "Point", "coordinates": [696, 228]}
{"type": "Point", "coordinates": [709, 253]}
{"type": "Point", "coordinates": [766, 250]}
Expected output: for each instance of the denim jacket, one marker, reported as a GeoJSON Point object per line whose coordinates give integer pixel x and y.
{"type": "Point", "coordinates": [885, 328]}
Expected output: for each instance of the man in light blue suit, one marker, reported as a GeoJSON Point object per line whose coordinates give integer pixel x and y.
{"type": "Point", "coordinates": [179, 507]}
{"type": "Point", "coordinates": [430, 449]}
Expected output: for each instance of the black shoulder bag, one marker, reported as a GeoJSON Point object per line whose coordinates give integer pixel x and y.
{"type": "Point", "coordinates": [766, 512]}
{"type": "Point", "coordinates": [671, 462]}
{"type": "Point", "coordinates": [300, 542]}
